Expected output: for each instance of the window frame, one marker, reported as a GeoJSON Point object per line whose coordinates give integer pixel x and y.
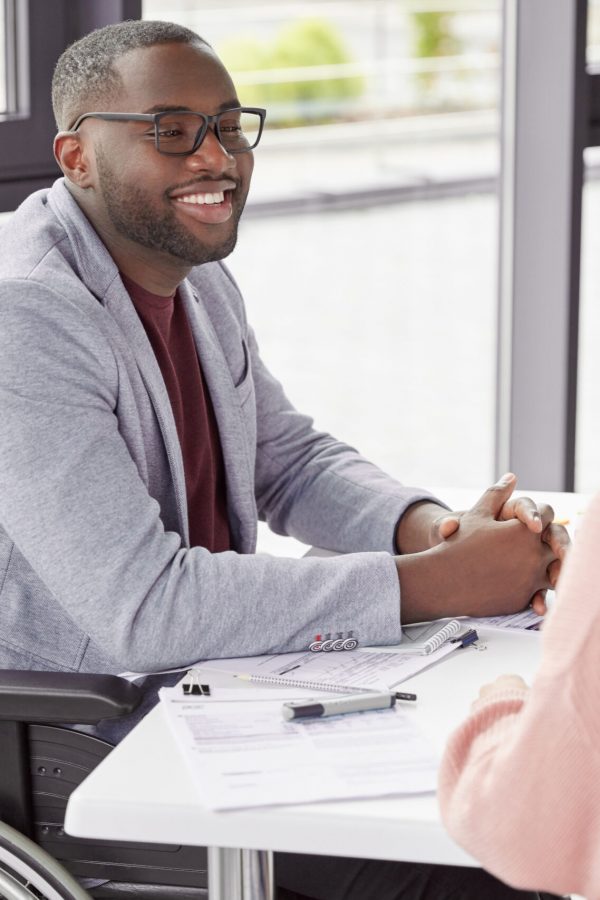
{"type": "Point", "coordinates": [546, 125]}
{"type": "Point", "coordinates": [43, 29]}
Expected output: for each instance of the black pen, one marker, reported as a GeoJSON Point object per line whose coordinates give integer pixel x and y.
{"type": "Point", "coordinates": [469, 637]}
{"type": "Point", "coordinates": [337, 706]}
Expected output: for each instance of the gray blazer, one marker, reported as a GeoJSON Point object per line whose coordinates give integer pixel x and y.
{"type": "Point", "coordinates": [96, 573]}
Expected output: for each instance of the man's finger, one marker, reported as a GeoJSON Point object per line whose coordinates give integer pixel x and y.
{"type": "Point", "coordinates": [526, 511]}
{"type": "Point", "coordinates": [557, 538]}
{"type": "Point", "coordinates": [547, 514]}
{"type": "Point", "coordinates": [491, 501]}
{"type": "Point", "coordinates": [554, 572]}
{"type": "Point", "coordinates": [538, 603]}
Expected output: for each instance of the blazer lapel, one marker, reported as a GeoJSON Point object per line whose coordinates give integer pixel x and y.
{"type": "Point", "coordinates": [98, 271]}
{"type": "Point", "coordinates": [118, 303]}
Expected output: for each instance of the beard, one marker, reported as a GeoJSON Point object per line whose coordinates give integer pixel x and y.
{"type": "Point", "coordinates": [134, 215]}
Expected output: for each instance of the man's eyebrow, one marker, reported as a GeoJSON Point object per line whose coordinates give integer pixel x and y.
{"type": "Point", "coordinates": [166, 107]}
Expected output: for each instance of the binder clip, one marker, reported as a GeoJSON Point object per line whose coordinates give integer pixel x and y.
{"type": "Point", "coordinates": [470, 639]}
{"type": "Point", "coordinates": [191, 685]}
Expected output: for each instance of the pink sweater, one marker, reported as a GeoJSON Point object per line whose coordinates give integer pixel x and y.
{"type": "Point", "coordinates": [520, 779]}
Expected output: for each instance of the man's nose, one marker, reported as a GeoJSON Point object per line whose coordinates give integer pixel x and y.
{"type": "Point", "coordinates": [211, 154]}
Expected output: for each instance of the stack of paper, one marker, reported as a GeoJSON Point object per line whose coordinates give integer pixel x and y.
{"type": "Point", "coordinates": [375, 669]}
{"type": "Point", "coordinates": [243, 754]}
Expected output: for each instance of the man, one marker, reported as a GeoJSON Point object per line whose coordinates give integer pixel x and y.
{"type": "Point", "coordinates": [142, 434]}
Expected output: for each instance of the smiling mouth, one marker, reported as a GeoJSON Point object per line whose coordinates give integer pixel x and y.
{"type": "Point", "coordinates": [202, 199]}
{"type": "Point", "coordinates": [206, 207]}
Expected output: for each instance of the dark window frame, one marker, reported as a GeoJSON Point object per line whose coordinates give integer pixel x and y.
{"type": "Point", "coordinates": [44, 28]}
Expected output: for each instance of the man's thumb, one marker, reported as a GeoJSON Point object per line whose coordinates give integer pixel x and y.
{"type": "Point", "coordinates": [492, 500]}
{"type": "Point", "coordinates": [447, 525]}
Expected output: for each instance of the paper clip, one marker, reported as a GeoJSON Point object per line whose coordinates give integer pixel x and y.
{"type": "Point", "coordinates": [191, 685]}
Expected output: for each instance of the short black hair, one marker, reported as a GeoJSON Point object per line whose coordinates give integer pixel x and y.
{"type": "Point", "coordinates": [84, 74]}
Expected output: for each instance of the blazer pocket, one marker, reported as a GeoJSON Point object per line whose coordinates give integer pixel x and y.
{"type": "Point", "coordinates": [246, 397]}
{"type": "Point", "coordinates": [244, 387]}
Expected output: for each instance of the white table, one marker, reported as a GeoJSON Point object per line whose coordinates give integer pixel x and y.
{"type": "Point", "coordinates": [143, 792]}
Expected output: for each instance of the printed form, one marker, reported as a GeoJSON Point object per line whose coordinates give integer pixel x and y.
{"type": "Point", "coordinates": [377, 669]}
{"type": "Point", "coordinates": [245, 755]}
{"type": "Point", "coordinates": [525, 621]}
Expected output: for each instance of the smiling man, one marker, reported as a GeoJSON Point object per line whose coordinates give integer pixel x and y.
{"type": "Point", "coordinates": [142, 435]}
{"type": "Point", "coordinates": [157, 189]}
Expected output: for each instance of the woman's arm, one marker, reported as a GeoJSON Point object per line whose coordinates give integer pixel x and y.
{"type": "Point", "coordinates": [519, 781]}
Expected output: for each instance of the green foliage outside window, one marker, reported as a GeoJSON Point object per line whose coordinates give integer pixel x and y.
{"type": "Point", "coordinates": [306, 42]}
{"type": "Point", "coordinates": [433, 36]}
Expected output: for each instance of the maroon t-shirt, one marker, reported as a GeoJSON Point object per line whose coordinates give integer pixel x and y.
{"type": "Point", "coordinates": [171, 338]}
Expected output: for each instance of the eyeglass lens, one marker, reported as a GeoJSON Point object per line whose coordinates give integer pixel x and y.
{"type": "Point", "coordinates": [236, 130]}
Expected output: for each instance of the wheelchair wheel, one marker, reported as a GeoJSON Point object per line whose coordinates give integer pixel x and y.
{"type": "Point", "coordinates": [29, 873]}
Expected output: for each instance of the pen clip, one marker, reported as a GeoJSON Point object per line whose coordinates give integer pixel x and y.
{"type": "Point", "coordinates": [470, 638]}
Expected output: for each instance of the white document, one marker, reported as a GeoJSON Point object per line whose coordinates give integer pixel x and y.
{"type": "Point", "coordinates": [234, 692]}
{"type": "Point", "coordinates": [523, 621]}
{"type": "Point", "coordinates": [245, 754]}
{"type": "Point", "coordinates": [350, 670]}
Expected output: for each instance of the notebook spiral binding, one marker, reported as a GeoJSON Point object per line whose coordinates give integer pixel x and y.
{"type": "Point", "coordinates": [440, 637]}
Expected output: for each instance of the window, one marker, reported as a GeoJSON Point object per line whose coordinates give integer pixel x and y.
{"type": "Point", "coordinates": [3, 61]}
{"type": "Point", "coordinates": [35, 34]}
{"type": "Point", "coordinates": [588, 400]}
{"type": "Point", "coordinates": [367, 254]}
{"type": "Point", "coordinates": [14, 99]}
{"type": "Point", "coordinates": [30, 46]}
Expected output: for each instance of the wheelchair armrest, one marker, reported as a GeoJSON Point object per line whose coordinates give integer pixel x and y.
{"type": "Point", "coordinates": [67, 697]}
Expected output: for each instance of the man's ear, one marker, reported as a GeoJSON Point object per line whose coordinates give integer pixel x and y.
{"type": "Point", "coordinates": [72, 156]}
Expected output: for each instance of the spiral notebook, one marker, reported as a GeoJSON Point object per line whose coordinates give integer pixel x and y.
{"type": "Point", "coordinates": [372, 669]}
{"type": "Point", "coordinates": [421, 640]}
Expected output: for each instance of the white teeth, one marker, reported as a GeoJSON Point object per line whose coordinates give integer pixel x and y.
{"type": "Point", "coordinates": [202, 198]}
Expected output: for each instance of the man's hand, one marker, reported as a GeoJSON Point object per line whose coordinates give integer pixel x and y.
{"type": "Point", "coordinates": [426, 523]}
{"type": "Point", "coordinates": [488, 565]}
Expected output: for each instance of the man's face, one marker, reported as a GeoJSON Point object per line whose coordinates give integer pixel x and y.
{"type": "Point", "coordinates": [143, 191]}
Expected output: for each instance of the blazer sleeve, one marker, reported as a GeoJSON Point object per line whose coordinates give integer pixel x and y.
{"type": "Point", "coordinates": [76, 506]}
{"type": "Point", "coordinates": [519, 784]}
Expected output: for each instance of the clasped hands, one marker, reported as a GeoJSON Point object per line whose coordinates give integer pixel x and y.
{"type": "Point", "coordinates": [492, 559]}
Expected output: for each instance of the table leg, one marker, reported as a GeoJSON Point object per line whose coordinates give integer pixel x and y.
{"type": "Point", "coordinates": [240, 874]}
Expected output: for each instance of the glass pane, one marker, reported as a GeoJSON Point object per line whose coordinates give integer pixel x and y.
{"type": "Point", "coordinates": [367, 254]}
{"type": "Point", "coordinates": [588, 391]}
{"type": "Point", "coordinates": [593, 32]}
{"type": "Point", "coordinates": [3, 38]}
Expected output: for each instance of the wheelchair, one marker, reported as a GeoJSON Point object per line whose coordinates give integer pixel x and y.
{"type": "Point", "coordinates": [41, 762]}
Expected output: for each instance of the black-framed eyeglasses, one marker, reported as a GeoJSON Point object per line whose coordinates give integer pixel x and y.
{"type": "Point", "coordinates": [181, 133]}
